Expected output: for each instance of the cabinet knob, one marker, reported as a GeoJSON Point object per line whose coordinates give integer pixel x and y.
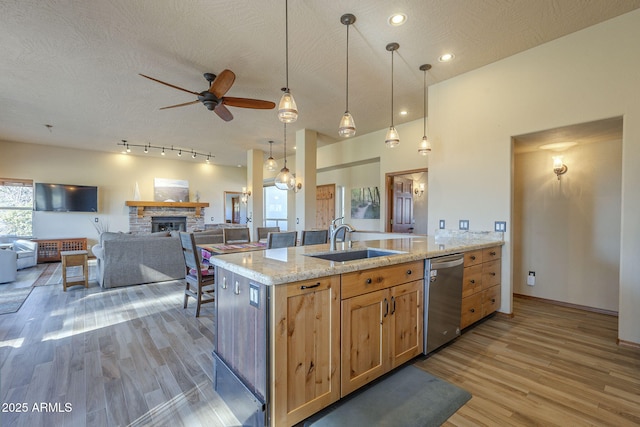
{"type": "Point", "coordinates": [493, 273]}
{"type": "Point", "coordinates": [493, 300]}
{"type": "Point", "coordinates": [472, 281]}
{"type": "Point", "coordinates": [409, 272]}
{"type": "Point", "coordinates": [368, 281]}
{"type": "Point", "coordinates": [473, 257]}
{"type": "Point", "coordinates": [492, 253]}
{"type": "Point", "coordinates": [473, 310]}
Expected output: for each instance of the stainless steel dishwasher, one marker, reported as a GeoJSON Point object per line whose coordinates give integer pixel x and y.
{"type": "Point", "coordinates": [443, 300]}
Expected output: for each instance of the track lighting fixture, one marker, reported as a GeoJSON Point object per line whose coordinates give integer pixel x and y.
{"type": "Point", "coordinates": [179, 150]}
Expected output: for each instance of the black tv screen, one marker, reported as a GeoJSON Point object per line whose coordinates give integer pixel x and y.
{"type": "Point", "coordinates": [65, 198]}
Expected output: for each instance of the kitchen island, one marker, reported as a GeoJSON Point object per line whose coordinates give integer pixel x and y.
{"type": "Point", "coordinates": [296, 332]}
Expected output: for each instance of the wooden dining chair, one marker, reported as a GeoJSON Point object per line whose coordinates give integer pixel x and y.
{"type": "Point", "coordinates": [264, 231]}
{"type": "Point", "coordinates": [282, 239]}
{"type": "Point", "coordinates": [236, 235]}
{"type": "Point", "coordinates": [314, 237]}
{"type": "Point", "coordinates": [199, 278]}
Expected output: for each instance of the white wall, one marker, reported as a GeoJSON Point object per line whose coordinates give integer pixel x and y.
{"type": "Point", "coordinates": [588, 75]}
{"type": "Point", "coordinates": [568, 230]}
{"type": "Point", "coordinates": [116, 176]}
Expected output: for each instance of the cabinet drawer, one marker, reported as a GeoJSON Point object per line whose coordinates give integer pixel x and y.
{"type": "Point", "coordinates": [471, 309]}
{"type": "Point", "coordinates": [491, 273]}
{"type": "Point", "coordinates": [471, 280]}
{"type": "Point", "coordinates": [472, 258]}
{"type": "Point", "coordinates": [362, 282]}
{"type": "Point", "coordinates": [490, 300]}
{"type": "Point", "coordinates": [489, 254]}
{"type": "Point", "coordinates": [313, 285]}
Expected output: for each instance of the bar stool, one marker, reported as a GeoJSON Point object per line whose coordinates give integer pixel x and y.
{"type": "Point", "coordinates": [72, 259]}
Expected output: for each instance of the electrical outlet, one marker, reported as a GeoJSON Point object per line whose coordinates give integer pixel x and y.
{"type": "Point", "coordinates": [531, 278]}
{"type": "Point", "coordinates": [211, 219]}
{"type": "Point", "coordinates": [254, 295]}
{"type": "Point", "coordinates": [96, 220]}
{"type": "Point", "coordinates": [441, 224]}
{"type": "Point", "coordinates": [463, 224]}
{"type": "Point", "coordinates": [501, 226]}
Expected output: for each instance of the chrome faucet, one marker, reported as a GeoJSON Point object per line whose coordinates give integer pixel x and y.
{"type": "Point", "coordinates": [333, 231]}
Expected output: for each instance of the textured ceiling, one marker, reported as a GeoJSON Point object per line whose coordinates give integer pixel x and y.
{"type": "Point", "coordinates": [74, 64]}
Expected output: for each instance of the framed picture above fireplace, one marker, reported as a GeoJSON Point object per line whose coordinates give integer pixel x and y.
{"type": "Point", "coordinates": [170, 190]}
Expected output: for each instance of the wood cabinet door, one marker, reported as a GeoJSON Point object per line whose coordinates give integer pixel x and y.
{"type": "Point", "coordinates": [225, 311]}
{"type": "Point", "coordinates": [406, 314]}
{"type": "Point", "coordinates": [306, 348]}
{"type": "Point", "coordinates": [365, 324]}
{"type": "Point", "coordinates": [325, 205]}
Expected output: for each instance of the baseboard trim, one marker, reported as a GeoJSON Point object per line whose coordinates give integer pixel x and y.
{"type": "Point", "coordinates": [569, 305]}
{"type": "Point", "coordinates": [505, 315]}
{"type": "Point", "coordinates": [629, 344]}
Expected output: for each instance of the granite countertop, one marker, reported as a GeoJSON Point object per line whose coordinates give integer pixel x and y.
{"type": "Point", "coordinates": [286, 265]}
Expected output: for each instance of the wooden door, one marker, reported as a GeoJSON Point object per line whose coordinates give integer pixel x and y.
{"type": "Point", "coordinates": [406, 316]}
{"type": "Point", "coordinates": [402, 221]}
{"type": "Point", "coordinates": [364, 339]}
{"type": "Point", "coordinates": [235, 210]}
{"type": "Point", "coordinates": [325, 205]}
{"type": "Point", "coordinates": [306, 349]}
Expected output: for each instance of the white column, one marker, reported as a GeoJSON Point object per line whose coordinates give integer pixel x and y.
{"type": "Point", "coordinates": [255, 204]}
{"type": "Point", "coordinates": [306, 152]}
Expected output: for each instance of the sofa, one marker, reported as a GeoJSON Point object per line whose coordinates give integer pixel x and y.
{"type": "Point", "coordinates": [7, 265]}
{"type": "Point", "coordinates": [132, 259]}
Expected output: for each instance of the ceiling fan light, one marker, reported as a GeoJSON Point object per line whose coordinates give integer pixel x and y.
{"type": "Point", "coordinates": [287, 108]}
{"type": "Point", "coordinates": [284, 180]}
{"type": "Point", "coordinates": [425, 146]}
{"type": "Point", "coordinates": [392, 139]}
{"type": "Point", "coordinates": [347, 126]}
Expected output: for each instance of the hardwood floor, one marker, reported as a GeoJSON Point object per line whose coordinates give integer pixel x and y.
{"type": "Point", "coordinates": [549, 365]}
{"type": "Point", "coordinates": [133, 356]}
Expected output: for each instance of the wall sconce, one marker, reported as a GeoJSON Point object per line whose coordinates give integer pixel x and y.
{"type": "Point", "coordinates": [559, 168]}
{"type": "Point", "coordinates": [245, 195]}
{"type": "Point", "coordinates": [419, 190]}
{"type": "Point", "coordinates": [297, 187]}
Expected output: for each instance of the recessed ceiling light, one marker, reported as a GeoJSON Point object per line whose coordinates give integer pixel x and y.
{"type": "Point", "coordinates": [446, 57]}
{"type": "Point", "coordinates": [403, 112]}
{"type": "Point", "coordinates": [397, 19]}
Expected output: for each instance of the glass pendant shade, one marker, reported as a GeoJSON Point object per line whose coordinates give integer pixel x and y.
{"type": "Point", "coordinates": [287, 109]}
{"type": "Point", "coordinates": [347, 126]}
{"type": "Point", "coordinates": [271, 164]}
{"type": "Point", "coordinates": [285, 180]}
{"type": "Point", "coordinates": [392, 139]}
{"type": "Point", "coordinates": [425, 146]}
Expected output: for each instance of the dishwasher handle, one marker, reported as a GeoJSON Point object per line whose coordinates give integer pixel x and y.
{"type": "Point", "coordinates": [447, 262]}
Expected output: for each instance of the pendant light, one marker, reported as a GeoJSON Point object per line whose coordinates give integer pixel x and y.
{"type": "Point", "coordinates": [392, 139]}
{"type": "Point", "coordinates": [287, 108]}
{"type": "Point", "coordinates": [425, 146]}
{"type": "Point", "coordinates": [271, 163]}
{"type": "Point", "coordinates": [347, 125]}
{"type": "Point", "coordinates": [285, 180]}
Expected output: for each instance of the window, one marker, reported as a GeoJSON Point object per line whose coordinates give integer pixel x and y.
{"type": "Point", "coordinates": [16, 207]}
{"type": "Point", "coordinates": [275, 207]}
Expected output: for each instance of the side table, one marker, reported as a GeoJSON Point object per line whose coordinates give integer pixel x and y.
{"type": "Point", "coordinates": [71, 259]}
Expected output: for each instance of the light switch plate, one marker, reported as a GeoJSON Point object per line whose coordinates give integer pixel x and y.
{"type": "Point", "coordinates": [254, 295]}
{"type": "Point", "coordinates": [501, 226]}
{"type": "Point", "coordinates": [463, 224]}
{"type": "Point", "coordinates": [441, 224]}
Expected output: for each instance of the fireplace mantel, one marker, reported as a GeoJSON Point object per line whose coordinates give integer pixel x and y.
{"type": "Point", "coordinates": [141, 205]}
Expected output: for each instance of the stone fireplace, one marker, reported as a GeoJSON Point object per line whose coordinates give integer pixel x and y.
{"type": "Point", "coordinates": [167, 215]}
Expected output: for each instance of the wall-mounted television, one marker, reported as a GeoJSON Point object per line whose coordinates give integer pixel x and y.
{"type": "Point", "coordinates": [65, 198]}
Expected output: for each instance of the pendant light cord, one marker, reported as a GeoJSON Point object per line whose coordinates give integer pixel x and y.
{"type": "Point", "coordinates": [347, 106]}
{"type": "Point", "coordinates": [392, 87]}
{"type": "Point", "coordinates": [286, 38]}
{"type": "Point", "coordinates": [424, 104]}
{"type": "Point", "coordinates": [285, 146]}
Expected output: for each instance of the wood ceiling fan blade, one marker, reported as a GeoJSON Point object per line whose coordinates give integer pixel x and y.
{"type": "Point", "coordinates": [180, 105]}
{"type": "Point", "coordinates": [222, 83]}
{"type": "Point", "coordinates": [169, 84]}
{"type": "Point", "coordinates": [248, 103]}
{"type": "Point", "coordinates": [223, 112]}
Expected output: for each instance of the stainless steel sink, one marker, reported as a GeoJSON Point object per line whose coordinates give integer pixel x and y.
{"type": "Point", "coordinates": [354, 255]}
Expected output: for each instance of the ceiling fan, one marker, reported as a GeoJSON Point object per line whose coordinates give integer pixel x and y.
{"type": "Point", "coordinates": [214, 98]}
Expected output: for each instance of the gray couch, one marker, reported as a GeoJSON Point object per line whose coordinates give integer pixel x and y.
{"type": "Point", "coordinates": [131, 259]}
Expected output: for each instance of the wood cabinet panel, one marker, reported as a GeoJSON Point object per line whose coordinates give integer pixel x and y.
{"type": "Point", "coordinates": [471, 280]}
{"type": "Point", "coordinates": [489, 254]}
{"type": "Point", "coordinates": [491, 273]}
{"type": "Point", "coordinates": [306, 348]}
{"type": "Point", "coordinates": [490, 300]}
{"type": "Point", "coordinates": [361, 282]}
{"type": "Point", "coordinates": [472, 258]}
{"type": "Point", "coordinates": [471, 309]}
{"type": "Point", "coordinates": [49, 249]}
{"type": "Point", "coordinates": [406, 316]}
